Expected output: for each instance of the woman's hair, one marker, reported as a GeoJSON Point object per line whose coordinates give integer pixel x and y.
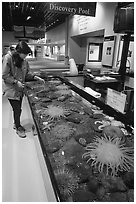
{"type": "Point", "coordinates": [22, 47]}
{"type": "Point", "coordinates": [17, 60]}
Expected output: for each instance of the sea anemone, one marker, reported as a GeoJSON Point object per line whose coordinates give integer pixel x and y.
{"type": "Point", "coordinates": [67, 181]}
{"type": "Point", "coordinates": [43, 93]}
{"type": "Point", "coordinates": [64, 92]}
{"type": "Point", "coordinates": [37, 88]}
{"type": "Point", "coordinates": [62, 87]}
{"type": "Point", "coordinates": [55, 112]}
{"type": "Point", "coordinates": [62, 131]}
{"type": "Point", "coordinates": [113, 131]}
{"type": "Point", "coordinates": [111, 153]}
{"type": "Point", "coordinates": [83, 196]}
{"type": "Point", "coordinates": [55, 81]}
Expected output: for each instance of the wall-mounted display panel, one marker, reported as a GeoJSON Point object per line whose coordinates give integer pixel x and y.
{"type": "Point", "coordinates": [94, 52]}
{"type": "Point", "coordinates": [108, 50]}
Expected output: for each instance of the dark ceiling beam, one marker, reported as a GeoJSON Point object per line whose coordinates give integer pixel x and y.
{"type": "Point", "coordinates": [10, 14]}
{"type": "Point", "coordinates": [44, 7]}
{"type": "Point", "coordinates": [23, 5]}
{"type": "Point", "coordinates": [38, 9]}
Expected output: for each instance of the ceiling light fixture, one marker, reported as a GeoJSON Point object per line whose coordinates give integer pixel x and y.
{"type": "Point", "coordinates": [28, 18]}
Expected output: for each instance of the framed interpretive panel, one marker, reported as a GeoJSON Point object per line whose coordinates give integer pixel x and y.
{"type": "Point", "coordinates": [94, 52]}
{"type": "Point", "coordinates": [108, 49]}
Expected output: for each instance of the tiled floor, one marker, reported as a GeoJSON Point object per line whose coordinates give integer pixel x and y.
{"type": "Point", "coordinates": [24, 174]}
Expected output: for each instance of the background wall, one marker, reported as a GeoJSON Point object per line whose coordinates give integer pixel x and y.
{"type": "Point", "coordinates": [7, 39]}
{"type": "Point", "coordinates": [56, 35]}
{"type": "Point", "coordinates": [103, 20]}
{"type": "Point", "coordinates": [81, 25]}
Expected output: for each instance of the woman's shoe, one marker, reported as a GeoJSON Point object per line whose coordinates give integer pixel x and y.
{"type": "Point", "coordinates": [20, 131]}
{"type": "Point", "coordinates": [14, 127]}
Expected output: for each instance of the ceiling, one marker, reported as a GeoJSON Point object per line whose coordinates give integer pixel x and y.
{"type": "Point", "coordinates": [126, 4]}
{"type": "Point", "coordinates": [35, 14]}
{"type": "Point", "coordinates": [32, 14]}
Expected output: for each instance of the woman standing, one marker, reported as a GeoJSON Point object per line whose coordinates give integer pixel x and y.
{"type": "Point", "coordinates": [15, 72]}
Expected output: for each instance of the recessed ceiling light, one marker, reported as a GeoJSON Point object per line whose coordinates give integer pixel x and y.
{"type": "Point", "coordinates": [28, 18]}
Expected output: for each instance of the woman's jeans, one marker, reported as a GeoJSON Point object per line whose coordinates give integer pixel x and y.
{"type": "Point", "coordinates": [16, 106]}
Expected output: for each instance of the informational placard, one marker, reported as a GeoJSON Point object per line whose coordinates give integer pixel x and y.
{"type": "Point", "coordinates": [93, 53]}
{"type": "Point", "coordinates": [116, 100]}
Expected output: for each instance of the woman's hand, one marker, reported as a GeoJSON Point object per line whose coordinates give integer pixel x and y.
{"type": "Point", "coordinates": [20, 84]}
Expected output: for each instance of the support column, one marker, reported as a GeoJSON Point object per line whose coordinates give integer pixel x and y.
{"type": "Point", "coordinates": [115, 57]}
{"type": "Point", "coordinates": [66, 41]}
{"type": "Point", "coordinates": [122, 70]}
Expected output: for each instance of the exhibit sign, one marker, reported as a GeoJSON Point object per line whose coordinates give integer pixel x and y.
{"type": "Point", "coordinates": [116, 100]}
{"type": "Point", "coordinates": [79, 8]}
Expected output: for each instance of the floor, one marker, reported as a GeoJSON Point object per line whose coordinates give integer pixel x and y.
{"type": "Point", "coordinates": [25, 176]}
{"type": "Point", "coordinates": [24, 173]}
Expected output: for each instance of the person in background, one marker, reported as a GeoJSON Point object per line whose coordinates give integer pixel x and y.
{"type": "Point", "coordinates": [11, 50]}
{"type": "Point", "coordinates": [15, 72]}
